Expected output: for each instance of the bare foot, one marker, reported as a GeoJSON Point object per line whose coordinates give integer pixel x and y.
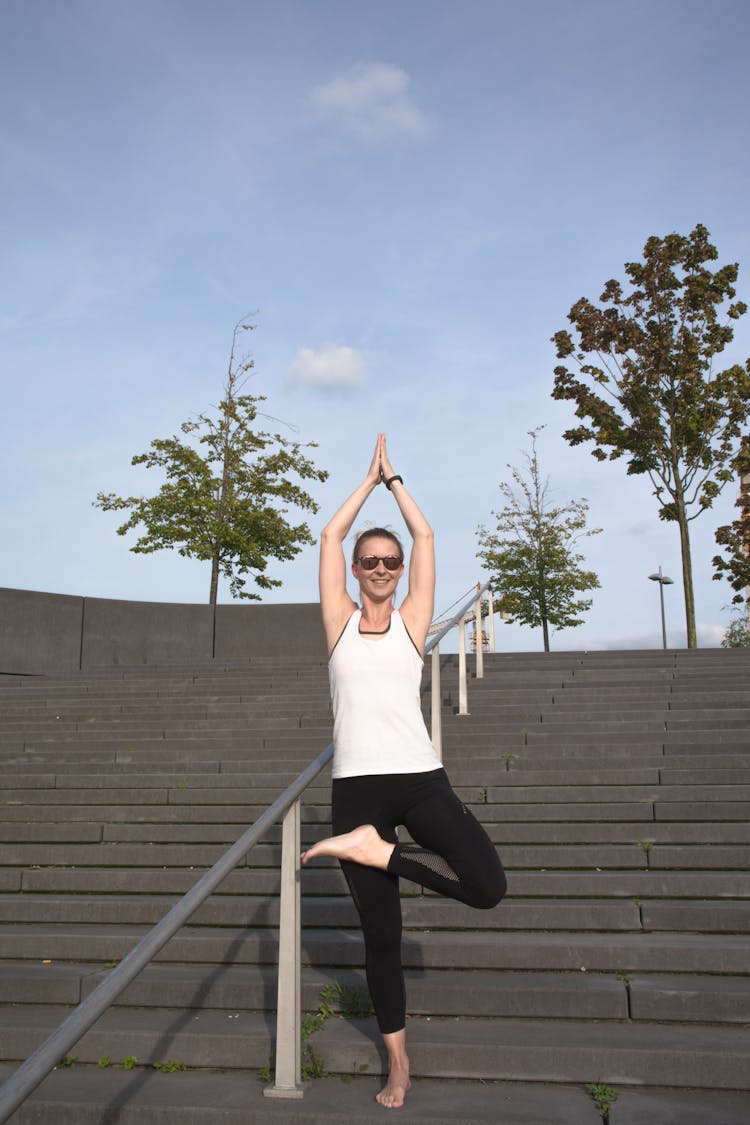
{"type": "Point", "coordinates": [396, 1088]}
{"type": "Point", "coordinates": [361, 845]}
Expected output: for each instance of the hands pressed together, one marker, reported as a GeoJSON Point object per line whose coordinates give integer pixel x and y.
{"type": "Point", "coordinates": [381, 469]}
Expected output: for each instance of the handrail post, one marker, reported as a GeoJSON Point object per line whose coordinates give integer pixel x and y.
{"type": "Point", "coordinates": [478, 635]}
{"type": "Point", "coordinates": [287, 1077]}
{"type": "Point", "coordinates": [436, 727]}
{"type": "Point", "coordinates": [462, 704]}
{"type": "Point", "coordinates": [491, 618]}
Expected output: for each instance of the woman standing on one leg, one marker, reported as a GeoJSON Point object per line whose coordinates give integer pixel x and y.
{"type": "Point", "coordinates": [386, 771]}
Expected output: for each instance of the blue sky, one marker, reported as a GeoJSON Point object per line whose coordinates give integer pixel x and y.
{"type": "Point", "coordinates": [408, 196]}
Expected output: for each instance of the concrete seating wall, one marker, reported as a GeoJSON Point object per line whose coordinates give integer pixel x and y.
{"type": "Point", "coordinates": [56, 634]}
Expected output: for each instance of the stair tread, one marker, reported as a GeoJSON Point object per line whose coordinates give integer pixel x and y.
{"type": "Point", "coordinates": [75, 1097]}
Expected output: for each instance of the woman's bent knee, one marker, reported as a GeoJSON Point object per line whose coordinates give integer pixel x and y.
{"type": "Point", "coordinates": [491, 892]}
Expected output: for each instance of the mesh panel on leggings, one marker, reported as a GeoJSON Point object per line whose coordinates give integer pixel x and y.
{"type": "Point", "coordinates": [431, 860]}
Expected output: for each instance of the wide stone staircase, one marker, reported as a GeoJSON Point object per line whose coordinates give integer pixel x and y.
{"type": "Point", "coordinates": [615, 785]}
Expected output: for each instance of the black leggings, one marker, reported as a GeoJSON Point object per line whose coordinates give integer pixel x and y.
{"type": "Point", "coordinates": [454, 856]}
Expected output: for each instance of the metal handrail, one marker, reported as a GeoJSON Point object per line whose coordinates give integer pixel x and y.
{"type": "Point", "coordinates": [458, 616]}
{"type": "Point", "coordinates": [38, 1065]}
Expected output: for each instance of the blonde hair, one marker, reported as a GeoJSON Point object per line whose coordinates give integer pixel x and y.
{"type": "Point", "coordinates": [376, 533]}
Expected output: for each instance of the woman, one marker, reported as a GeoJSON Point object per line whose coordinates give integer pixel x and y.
{"type": "Point", "coordinates": [386, 771]}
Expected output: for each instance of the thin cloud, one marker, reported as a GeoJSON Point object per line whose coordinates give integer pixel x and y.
{"type": "Point", "coordinates": [331, 367]}
{"type": "Point", "coordinates": [710, 636]}
{"type": "Point", "coordinates": [643, 527]}
{"type": "Point", "coordinates": [371, 101]}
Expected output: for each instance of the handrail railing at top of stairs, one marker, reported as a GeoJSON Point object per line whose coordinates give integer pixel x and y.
{"type": "Point", "coordinates": [287, 1082]}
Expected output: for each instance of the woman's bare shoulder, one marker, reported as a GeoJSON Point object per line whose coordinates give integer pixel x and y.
{"type": "Point", "coordinates": [416, 626]}
{"type": "Point", "coordinates": [334, 623]}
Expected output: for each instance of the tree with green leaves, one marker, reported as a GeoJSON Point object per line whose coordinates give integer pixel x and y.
{"type": "Point", "coordinates": [648, 389]}
{"type": "Point", "coordinates": [734, 537]}
{"type": "Point", "coordinates": [737, 634]}
{"type": "Point", "coordinates": [535, 572]}
{"type": "Point", "coordinates": [226, 494]}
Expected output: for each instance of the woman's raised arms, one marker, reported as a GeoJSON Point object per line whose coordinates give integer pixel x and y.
{"type": "Point", "coordinates": [335, 603]}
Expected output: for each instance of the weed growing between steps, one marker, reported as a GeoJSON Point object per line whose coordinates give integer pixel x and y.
{"type": "Point", "coordinates": [171, 1066]}
{"type": "Point", "coordinates": [603, 1098]}
{"type": "Point", "coordinates": [130, 1062]}
{"type": "Point", "coordinates": [353, 1003]}
{"type": "Point", "coordinates": [626, 978]}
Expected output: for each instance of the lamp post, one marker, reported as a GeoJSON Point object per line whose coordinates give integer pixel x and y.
{"type": "Point", "coordinates": [745, 509]}
{"type": "Point", "coordinates": [663, 581]}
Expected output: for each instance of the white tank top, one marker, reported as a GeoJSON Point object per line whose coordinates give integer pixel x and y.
{"type": "Point", "coordinates": [377, 718]}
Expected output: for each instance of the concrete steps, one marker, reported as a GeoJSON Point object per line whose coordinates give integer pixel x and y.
{"type": "Point", "coordinates": [724, 954]}
{"type": "Point", "coordinates": [567, 1051]}
{"type": "Point", "coordinates": [85, 1097]}
{"type": "Point", "coordinates": [81, 1096]}
{"type": "Point", "coordinates": [547, 995]}
{"type": "Point", "coordinates": [616, 785]}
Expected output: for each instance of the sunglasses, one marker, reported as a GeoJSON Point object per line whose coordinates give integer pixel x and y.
{"type": "Point", "coordinates": [390, 562]}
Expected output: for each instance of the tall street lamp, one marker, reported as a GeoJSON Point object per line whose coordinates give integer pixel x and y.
{"type": "Point", "coordinates": [663, 581]}
{"type": "Point", "coordinates": [745, 509]}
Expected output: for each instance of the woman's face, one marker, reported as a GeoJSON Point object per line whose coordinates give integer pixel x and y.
{"type": "Point", "coordinates": [380, 582]}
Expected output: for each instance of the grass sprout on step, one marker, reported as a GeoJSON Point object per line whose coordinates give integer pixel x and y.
{"type": "Point", "coordinates": [603, 1097]}
{"type": "Point", "coordinates": [352, 1001]}
{"type": "Point", "coordinates": [313, 1065]}
{"type": "Point", "coordinates": [170, 1066]}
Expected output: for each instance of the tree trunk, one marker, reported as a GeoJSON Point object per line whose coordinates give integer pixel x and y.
{"type": "Point", "coordinates": [219, 515]}
{"type": "Point", "coordinates": [214, 580]}
{"type": "Point", "coordinates": [687, 575]}
{"type": "Point", "coordinates": [545, 632]}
